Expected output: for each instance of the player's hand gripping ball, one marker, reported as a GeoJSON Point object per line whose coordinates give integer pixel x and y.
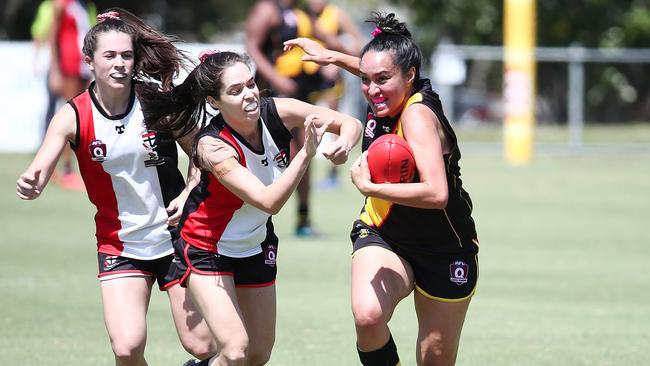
{"type": "Point", "coordinates": [391, 160]}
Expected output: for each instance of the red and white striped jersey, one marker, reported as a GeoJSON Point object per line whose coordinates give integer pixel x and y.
{"type": "Point", "coordinates": [131, 174]}
{"type": "Point", "coordinates": [75, 23]}
{"type": "Point", "coordinates": [215, 219]}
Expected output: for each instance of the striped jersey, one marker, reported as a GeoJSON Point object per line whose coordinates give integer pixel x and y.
{"type": "Point", "coordinates": [75, 23]}
{"type": "Point", "coordinates": [448, 230]}
{"type": "Point", "coordinates": [131, 175]}
{"type": "Point", "coordinates": [215, 219]}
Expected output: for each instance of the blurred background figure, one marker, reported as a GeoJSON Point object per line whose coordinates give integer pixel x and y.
{"type": "Point", "coordinates": [283, 74]}
{"type": "Point", "coordinates": [332, 21]}
{"type": "Point", "coordinates": [68, 74]}
{"type": "Point", "coordinates": [40, 32]}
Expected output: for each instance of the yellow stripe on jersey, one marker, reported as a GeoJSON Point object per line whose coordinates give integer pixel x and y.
{"type": "Point", "coordinates": [376, 209]}
{"type": "Point", "coordinates": [289, 63]}
{"type": "Point", "coordinates": [328, 20]}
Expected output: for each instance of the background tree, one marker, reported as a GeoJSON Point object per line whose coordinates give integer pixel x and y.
{"type": "Point", "coordinates": [614, 92]}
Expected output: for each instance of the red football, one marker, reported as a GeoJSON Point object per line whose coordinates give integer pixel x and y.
{"type": "Point", "coordinates": [391, 160]}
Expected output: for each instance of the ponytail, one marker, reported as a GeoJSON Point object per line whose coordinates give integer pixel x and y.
{"type": "Point", "coordinates": [183, 108]}
{"type": "Point", "coordinates": [178, 110]}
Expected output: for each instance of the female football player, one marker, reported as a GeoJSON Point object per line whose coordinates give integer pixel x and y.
{"type": "Point", "coordinates": [414, 237]}
{"type": "Point", "coordinates": [131, 176]}
{"type": "Point", "coordinates": [228, 247]}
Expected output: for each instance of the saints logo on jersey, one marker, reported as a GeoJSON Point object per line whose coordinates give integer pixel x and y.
{"type": "Point", "coordinates": [282, 159]}
{"type": "Point", "coordinates": [149, 143]}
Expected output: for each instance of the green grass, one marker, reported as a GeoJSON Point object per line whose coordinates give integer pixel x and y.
{"type": "Point", "coordinates": [559, 134]}
{"type": "Point", "coordinates": [562, 280]}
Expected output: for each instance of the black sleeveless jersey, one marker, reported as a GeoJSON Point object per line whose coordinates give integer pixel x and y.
{"type": "Point", "coordinates": [449, 230]}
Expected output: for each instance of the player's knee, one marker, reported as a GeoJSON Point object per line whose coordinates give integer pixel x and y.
{"type": "Point", "coordinates": [200, 349]}
{"type": "Point", "coordinates": [234, 352]}
{"type": "Point", "coordinates": [368, 315]}
{"type": "Point", "coordinates": [128, 351]}
{"type": "Point", "coordinates": [234, 355]}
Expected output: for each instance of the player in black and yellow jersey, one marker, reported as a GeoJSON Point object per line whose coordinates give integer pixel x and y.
{"type": "Point", "coordinates": [268, 25]}
{"type": "Point", "coordinates": [414, 237]}
{"type": "Point", "coordinates": [327, 18]}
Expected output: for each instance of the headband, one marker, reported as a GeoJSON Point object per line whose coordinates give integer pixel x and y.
{"type": "Point", "coordinates": [203, 55]}
{"type": "Point", "coordinates": [108, 15]}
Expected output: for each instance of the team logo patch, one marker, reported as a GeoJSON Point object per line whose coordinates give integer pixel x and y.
{"type": "Point", "coordinates": [97, 151]}
{"type": "Point", "coordinates": [120, 129]}
{"type": "Point", "coordinates": [371, 124]}
{"type": "Point", "coordinates": [458, 271]}
{"type": "Point", "coordinates": [363, 233]}
{"type": "Point", "coordinates": [270, 253]}
{"type": "Point", "coordinates": [149, 143]}
{"type": "Point", "coordinates": [282, 159]}
{"type": "Point", "coordinates": [110, 262]}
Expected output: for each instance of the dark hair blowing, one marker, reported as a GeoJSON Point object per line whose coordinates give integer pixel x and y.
{"type": "Point", "coordinates": [395, 37]}
{"type": "Point", "coordinates": [156, 57]}
{"type": "Point", "coordinates": [183, 108]}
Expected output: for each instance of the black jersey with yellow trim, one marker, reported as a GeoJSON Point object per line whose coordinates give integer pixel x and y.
{"type": "Point", "coordinates": [294, 23]}
{"type": "Point", "coordinates": [449, 230]}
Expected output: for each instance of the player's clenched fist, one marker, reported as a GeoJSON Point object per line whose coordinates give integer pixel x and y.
{"type": "Point", "coordinates": [27, 185]}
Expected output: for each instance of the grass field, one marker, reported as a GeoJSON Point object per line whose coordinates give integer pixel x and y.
{"type": "Point", "coordinates": [562, 278]}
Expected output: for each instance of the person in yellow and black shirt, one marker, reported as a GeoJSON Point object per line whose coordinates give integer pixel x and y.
{"type": "Point", "coordinates": [331, 20]}
{"type": "Point", "coordinates": [268, 25]}
{"type": "Point", "coordinates": [414, 237]}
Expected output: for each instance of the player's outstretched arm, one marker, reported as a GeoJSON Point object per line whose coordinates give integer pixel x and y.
{"type": "Point", "coordinates": [293, 113]}
{"type": "Point", "coordinates": [62, 129]}
{"type": "Point", "coordinates": [323, 56]}
{"type": "Point", "coordinates": [222, 161]}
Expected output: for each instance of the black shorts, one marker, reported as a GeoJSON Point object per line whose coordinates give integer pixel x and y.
{"type": "Point", "coordinates": [255, 271]}
{"type": "Point", "coordinates": [163, 269]}
{"type": "Point", "coordinates": [442, 277]}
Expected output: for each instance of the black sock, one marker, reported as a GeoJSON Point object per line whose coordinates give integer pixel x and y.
{"type": "Point", "coordinates": [385, 356]}
{"type": "Point", "coordinates": [303, 214]}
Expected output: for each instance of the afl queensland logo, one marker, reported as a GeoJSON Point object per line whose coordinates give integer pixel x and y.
{"type": "Point", "coordinates": [97, 151]}
{"type": "Point", "coordinates": [270, 254]}
{"type": "Point", "coordinates": [281, 159]}
{"type": "Point", "coordinates": [458, 271]}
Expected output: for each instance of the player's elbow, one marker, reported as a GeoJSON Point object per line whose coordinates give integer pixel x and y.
{"type": "Point", "coordinates": [271, 210]}
{"type": "Point", "coordinates": [271, 207]}
{"type": "Point", "coordinates": [440, 202]}
{"type": "Point", "coordinates": [437, 200]}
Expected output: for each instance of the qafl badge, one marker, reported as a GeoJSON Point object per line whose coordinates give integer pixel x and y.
{"type": "Point", "coordinates": [97, 151]}
{"type": "Point", "coordinates": [458, 271]}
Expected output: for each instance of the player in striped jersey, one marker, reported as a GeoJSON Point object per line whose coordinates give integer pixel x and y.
{"type": "Point", "coordinates": [228, 247]}
{"type": "Point", "coordinates": [414, 237]}
{"type": "Point", "coordinates": [131, 176]}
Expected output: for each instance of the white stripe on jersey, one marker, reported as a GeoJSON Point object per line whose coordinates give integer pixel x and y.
{"type": "Point", "coordinates": [247, 228]}
{"type": "Point", "coordinates": [141, 211]}
{"type": "Point", "coordinates": [79, 13]}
